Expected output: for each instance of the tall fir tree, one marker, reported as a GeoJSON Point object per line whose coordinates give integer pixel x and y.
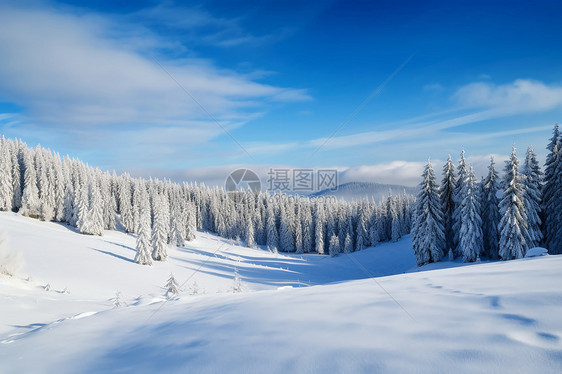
{"type": "Point", "coordinates": [159, 229]}
{"type": "Point", "coordinates": [470, 234]}
{"type": "Point", "coordinates": [334, 247]}
{"type": "Point", "coordinates": [533, 196]}
{"type": "Point", "coordinates": [513, 223]}
{"type": "Point", "coordinates": [446, 195]}
{"type": "Point", "coordinates": [144, 246]}
{"type": "Point", "coordinates": [552, 198]}
{"type": "Point", "coordinates": [428, 235]}
{"type": "Point", "coordinates": [462, 179]}
{"type": "Point", "coordinates": [490, 212]}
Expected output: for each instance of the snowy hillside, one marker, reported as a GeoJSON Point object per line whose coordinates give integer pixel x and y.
{"type": "Point", "coordinates": [489, 317]}
{"type": "Point", "coordinates": [355, 191]}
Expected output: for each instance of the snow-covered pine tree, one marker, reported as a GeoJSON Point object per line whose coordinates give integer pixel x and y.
{"type": "Point", "coordinates": [348, 245]}
{"type": "Point", "coordinates": [552, 198]}
{"type": "Point", "coordinates": [144, 245]}
{"type": "Point", "coordinates": [319, 230]}
{"type": "Point", "coordinates": [272, 235]}
{"type": "Point", "coordinates": [172, 287]}
{"type": "Point", "coordinates": [286, 239]}
{"type": "Point", "coordinates": [125, 207]}
{"type": "Point", "coordinates": [490, 212]}
{"type": "Point", "coordinates": [513, 222]}
{"type": "Point", "coordinates": [470, 235]}
{"type": "Point", "coordinates": [96, 209]}
{"type": "Point", "coordinates": [374, 231]}
{"type": "Point", "coordinates": [446, 195]}
{"type": "Point", "coordinates": [307, 230]}
{"type": "Point", "coordinates": [334, 247]}
{"type": "Point", "coordinates": [427, 235]}
{"type": "Point", "coordinates": [177, 225]}
{"type": "Point", "coordinates": [16, 176]}
{"type": "Point", "coordinates": [462, 179]}
{"type": "Point", "coordinates": [159, 230]}
{"type": "Point", "coordinates": [533, 197]}
{"type": "Point", "coordinates": [6, 184]}
{"type": "Point", "coordinates": [191, 226]}
{"type": "Point", "coordinates": [249, 233]}
{"type": "Point", "coordinates": [395, 228]}
{"type": "Point", "coordinates": [30, 198]}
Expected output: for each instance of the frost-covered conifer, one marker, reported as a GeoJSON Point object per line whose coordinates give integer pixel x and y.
{"type": "Point", "coordinates": [159, 229]}
{"type": "Point", "coordinates": [348, 244]}
{"type": "Point", "coordinates": [191, 227]}
{"type": "Point", "coordinates": [6, 184]}
{"type": "Point", "coordinates": [427, 235]}
{"type": "Point", "coordinates": [334, 248]}
{"type": "Point", "coordinates": [272, 235]}
{"type": "Point", "coordinates": [533, 196]}
{"type": "Point", "coordinates": [470, 235]}
{"type": "Point", "coordinates": [319, 230]}
{"type": "Point", "coordinates": [172, 287]}
{"type": "Point", "coordinates": [490, 212]}
{"type": "Point", "coordinates": [30, 198]}
{"type": "Point", "coordinates": [462, 179]}
{"type": "Point", "coordinates": [513, 222]}
{"type": "Point", "coordinates": [144, 245]}
{"type": "Point", "coordinates": [446, 196]}
{"type": "Point", "coordinates": [552, 198]}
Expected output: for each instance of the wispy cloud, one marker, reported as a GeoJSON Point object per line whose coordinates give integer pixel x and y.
{"type": "Point", "coordinates": [521, 96]}
{"type": "Point", "coordinates": [476, 102]}
{"type": "Point", "coordinates": [79, 71]}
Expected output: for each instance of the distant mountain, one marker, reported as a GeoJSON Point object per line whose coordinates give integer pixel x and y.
{"type": "Point", "coordinates": [361, 190]}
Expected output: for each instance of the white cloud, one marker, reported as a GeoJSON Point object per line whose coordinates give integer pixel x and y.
{"type": "Point", "coordinates": [83, 69]}
{"type": "Point", "coordinates": [400, 172]}
{"type": "Point", "coordinates": [521, 96]}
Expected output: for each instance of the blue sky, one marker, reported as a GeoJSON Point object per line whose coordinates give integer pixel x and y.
{"type": "Point", "coordinates": [84, 78]}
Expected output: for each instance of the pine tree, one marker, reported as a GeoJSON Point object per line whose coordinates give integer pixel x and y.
{"type": "Point", "coordinates": [552, 198]}
{"type": "Point", "coordinates": [470, 235]}
{"type": "Point", "coordinates": [348, 245]}
{"type": "Point", "coordinates": [250, 242]}
{"type": "Point", "coordinates": [144, 247]}
{"type": "Point", "coordinates": [334, 247]}
{"type": "Point", "coordinates": [513, 223]}
{"type": "Point", "coordinates": [159, 230]}
{"type": "Point", "coordinates": [427, 234]}
{"type": "Point", "coordinates": [286, 239]}
{"type": "Point", "coordinates": [462, 179]}
{"type": "Point", "coordinates": [490, 212]}
{"type": "Point", "coordinates": [6, 184]}
{"type": "Point", "coordinates": [446, 195]}
{"type": "Point", "coordinates": [30, 198]}
{"type": "Point", "coordinates": [319, 230]}
{"type": "Point", "coordinates": [172, 287]}
{"type": "Point", "coordinates": [532, 197]}
{"type": "Point", "coordinates": [191, 226]}
{"type": "Point", "coordinates": [272, 236]}
{"type": "Point", "coordinates": [96, 210]}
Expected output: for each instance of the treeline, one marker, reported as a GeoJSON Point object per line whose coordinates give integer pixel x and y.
{"type": "Point", "coordinates": [492, 218]}
{"type": "Point", "coordinates": [39, 183]}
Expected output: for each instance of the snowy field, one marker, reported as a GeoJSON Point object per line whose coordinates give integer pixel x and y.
{"type": "Point", "coordinates": [296, 314]}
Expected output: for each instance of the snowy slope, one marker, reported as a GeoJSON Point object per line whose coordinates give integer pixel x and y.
{"type": "Point", "coordinates": [491, 317]}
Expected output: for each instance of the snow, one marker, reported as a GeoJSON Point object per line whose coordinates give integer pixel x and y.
{"type": "Point", "coordinates": [535, 252]}
{"type": "Point", "coordinates": [297, 313]}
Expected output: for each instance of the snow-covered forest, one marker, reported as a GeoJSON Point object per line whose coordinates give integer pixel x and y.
{"type": "Point", "coordinates": [495, 217]}
{"type": "Point", "coordinates": [39, 183]}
